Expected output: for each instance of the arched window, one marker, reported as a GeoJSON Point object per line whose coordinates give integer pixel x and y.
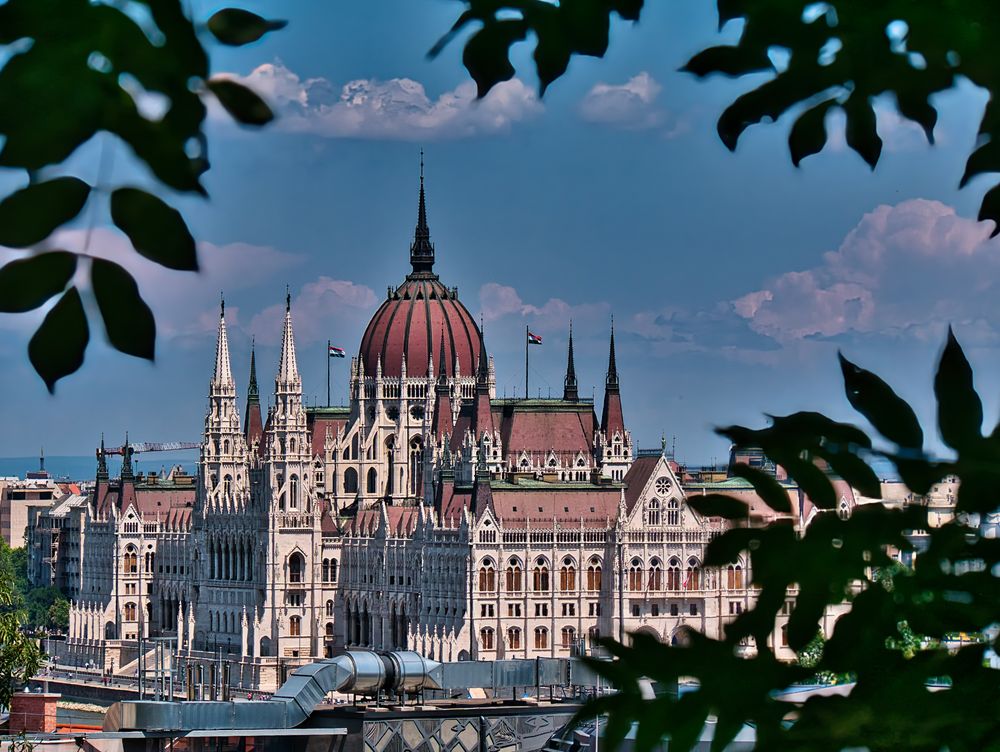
{"type": "Point", "coordinates": [329, 608]}
{"type": "Point", "coordinates": [296, 567]}
{"type": "Point", "coordinates": [656, 575]}
{"type": "Point", "coordinates": [673, 512]}
{"type": "Point", "coordinates": [541, 638]}
{"type": "Point", "coordinates": [326, 570]}
{"type": "Point", "coordinates": [227, 485]}
{"type": "Point", "coordinates": [693, 580]}
{"type": "Point", "coordinates": [674, 575]}
{"type": "Point", "coordinates": [295, 626]}
{"type": "Point", "coordinates": [329, 630]}
{"type": "Point", "coordinates": [635, 575]}
{"type": "Point", "coordinates": [568, 637]}
{"type": "Point", "coordinates": [654, 512]}
{"type": "Point", "coordinates": [293, 492]}
{"type": "Point", "coordinates": [225, 446]}
{"type": "Point", "coordinates": [416, 467]}
{"type": "Point", "coordinates": [486, 638]}
{"type": "Point", "coordinates": [487, 577]}
{"type": "Point", "coordinates": [594, 574]}
{"type": "Point", "coordinates": [131, 561]}
{"type": "Point", "coordinates": [350, 480]}
{"type": "Point", "coordinates": [567, 575]}
{"type": "Point", "coordinates": [372, 480]}
{"type": "Point", "coordinates": [734, 577]}
{"type": "Point", "coordinates": [540, 577]}
{"type": "Point", "coordinates": [514, 576]}
{"type": "Point", "coordinates": [130, 612]}
{"type": "Point", "coordinates": [333, 570]}
{"type": "Point", "coordinates": [844, 511]}
{"type": "Point", "coordinates": [514, 638]}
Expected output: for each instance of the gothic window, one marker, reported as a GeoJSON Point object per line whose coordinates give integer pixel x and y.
{"type": "Point", "coordinates": [693, 580]}
{"type": "Point", "coordinates": [333, 570]}
{"type": "Point", "coordinates": [131, 561]}
{"type": "Point", "coordinates": [567, 575]}
{"type": "Point", "coordinates": [514, 638]}
{"type": "Point", "coordinates": [225, 446]}
{"type": "Point", "coordinates": [674, 575]}
{"type": "Point", "coordinates": [326, 570]}
{"type": "Point", "coordinates": [844, 511]}
{"type": "Point", "coordinates": [329, 630]}
{"type": "Point", "coordinates": [514, 576]}
{"type": "Point", "coordinates": [227, 485]}
{"type": "Point", "coordinates": [295, 626]}
{"type": "Point", "coordinates": [673, 512]}
{"type": "Point", "coordinates": [594, 634]}
{"type": "Point", "coordinates": [291, 445]}
{"type": "Point", "coordinates": [293, 492]}
{"type": "Point", "coordinates": [350, 480]}
{"type": "Point", "coordinates": [654, 512]}
{"type": "Point", "coordinates": [130, 612]}
{"type": "Point", "coordinates": [635, 575]}
{"type": "Point", "coordinates": [568, 637]}
{"type": "Point", "coordinates": [416, 467]}
{"type": "Point", "coordinates": [486, 638]}
{"type": "Point", "coordinates": [372, 480]}
{"type": "Point", "coordinates": [487, 577]}
{"type": "Point", "coordinates": [540, 577]}
{"type": "Point", "coordinates": [662, 485]}
{"type": "Point", "coordinates": [656, 575]}
{"type": "Point", "coordinates": [734, 577]}
{"type": "Point", "coordinates": [541, 638]}
{"type": "Point", "coordinates": [296, 567]}
{"type": "Point", "coordinates": [594, 574]}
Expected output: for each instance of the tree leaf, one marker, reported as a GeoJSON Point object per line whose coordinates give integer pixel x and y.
{"type": "Point", "coordinates": [990, 209]}
{"type": "Point", "coordinates": [244, 105]}
{"type": "Point", "coordinates": [156, 230]}
{"type": "Point", "coordinates": [808, 134]}
{"type": "Point", "coordinates": [861, 131]}
{"type": "Point", "coordinates": [30, 215]}
{"type": "Point", "coordinates": [58, 346]}
{"type": "Point", "coordinates": [27, 283]}
{"type": "Point", "coordinates": [236, 27]}
{"type": "Point", "coordinates": [486, 54]}
{"type": "Point", "coordinates": [128, 321]}
{"type": "Point", "coordinates": [960, 411]}
{"type": "Point", "coordinates": [884, 409]}
{"type": "Point", "coordinates": [769, 490]}
{"type": "Point", "coordinates": [718, 505]}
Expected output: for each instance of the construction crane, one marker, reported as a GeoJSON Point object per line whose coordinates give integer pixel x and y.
{"type": "Point", "coordinates": [153, 446]}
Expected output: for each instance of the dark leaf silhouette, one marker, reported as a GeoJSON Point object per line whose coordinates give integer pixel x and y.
{"type": "Point", "coordinates": [808, 134]}
{"type": "Point", "coordinates": [235, 26]}
{"type": "Point", "coordinates": [27, 283]}
{"type": "Point", "coordinates": [876, 400]}
{"type": "Point", "coordinates": [244, 106]}
{"type": "Point", "coordinates": [718, 505]}
{"type": "Point", "coordinates": [156, 230]}
{"type": "Point", "coordinates": [30, 215]}
{"type": "Point", "coordinates": [128, 321]}
{"type": "Point", "coordinates": [766, 486]}
{"type": "Point", "coordinates": [960, 411]}
{"type": "Point", "coordinates": [58, 346]}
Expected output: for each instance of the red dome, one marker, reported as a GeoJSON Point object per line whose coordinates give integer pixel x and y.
{"type": "Point", "coordinates": [412, 321]}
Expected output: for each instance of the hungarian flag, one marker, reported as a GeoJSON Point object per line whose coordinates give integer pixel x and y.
{"type": "Point", "coordinates": [337, 352]}
{"type": "Point", "coordinates": [534, 339]}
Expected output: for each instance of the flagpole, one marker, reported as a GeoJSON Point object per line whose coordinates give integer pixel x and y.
{"type": "Point", "coordinates": [526, 361]}
{"type": "Point", "coordinates": [328, 373]}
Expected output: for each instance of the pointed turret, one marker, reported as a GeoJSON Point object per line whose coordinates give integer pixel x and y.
{"type": "Point", "coordinates": [442, 424]}
{"type": "Point", "coordinates": [570, 389]}
{"type": "Point", "coordinates": [611, 417]}
{"type": "Point", "coordinates": [126, 496]}
{"type": "Point", "coordinates": [288, 367]}
{"type": "Point", "coordinates": [422, 249]}
{"type": "Point", "coordinates": [223, 374]}
{"type": "Point", "coordinates": [253, 424]}
{"type": "Point", "coordinates": [102, 463]}
{"type": "Point", "coordinates": [482, 417]}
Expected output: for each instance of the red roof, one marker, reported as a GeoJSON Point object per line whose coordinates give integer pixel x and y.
{"type": "Point", "coordinates": [319, 424]}
{"type": "Point", "coordinates": [411, 321]}
{"type": "Point", "coordinates": [596, 505]}
{"type": "Point", "coordinates": [402, 521]}
{"type": "Point", "coordinates": [539, 426]}
{"type": "Point", "coordinates": [637, 477]}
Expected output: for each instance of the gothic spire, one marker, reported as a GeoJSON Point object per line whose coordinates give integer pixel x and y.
{"type": "Point", "coordinates": [422, 249]}
{"type": "Point", "coordinates": [102, 463]}
{"type": "Point", "coordinates": [126, 460]}
{"type": "Point", "coordinates": [252, 425]}
{"type": "Point", "coordinates": [612, 421]}
{"type": "Point", "coordinates": [442, 363]}
{"type": "Point", "coordinates": [570, 390]}
{"type": "Point", "coordinates": [223, 374]}
{"type": "Point", "coordinates": [288, 368]}
{"type": "Point", "coordinates": [253, 392]}
{"type": "Point", "coordinates": [612, 379]}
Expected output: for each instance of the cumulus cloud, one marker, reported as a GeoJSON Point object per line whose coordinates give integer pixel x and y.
{"type": "Point", "coordinates": [631, 105]}
{"type": "Point", "coordinates": [395, 109]}
{"type": "Point", "coordinates": [904, 271]}
{"type": "Point", "coordinates": [316, 304]}
{"type": "Point", "coordinates": [499, 301]}
{"type": "Point", "coordinates": [719, 327]}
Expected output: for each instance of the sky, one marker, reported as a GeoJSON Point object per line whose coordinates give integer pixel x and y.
{"type": "Point", "coordinates": [733, 279]}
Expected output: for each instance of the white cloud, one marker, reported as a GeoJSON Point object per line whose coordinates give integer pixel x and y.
{"type": "Point", "coordinates": [631, 105]}
{"type": "Point", "coordinates": [499, 301]}
{"type": "Point", "coordinates": [396, 109]}
{"type": "Point", "coordinates": [316, 304]}
{"type": "Point", "coordinates": [904, 271]}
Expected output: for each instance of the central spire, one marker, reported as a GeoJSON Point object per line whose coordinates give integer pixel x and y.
{"type": "Point", "coordinates": [223, 375]}
{"type": "Point", "coordinates": [422, 249]}
{"type": "Point", "coordinates": [288, 368]}
{"type": "Point", "coordinates": [570, 390]}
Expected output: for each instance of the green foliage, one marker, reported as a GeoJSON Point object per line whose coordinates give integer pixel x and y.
{"type": "Point", "coordinates": [77, 68]}
{"type": "Point", "coordinates": [842, 55]}
{"type": "Point", "coordinates": [20, 656]}
{"type": "Point", "coordinates": [889, 639]}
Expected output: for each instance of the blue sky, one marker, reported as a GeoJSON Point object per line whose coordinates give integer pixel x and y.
{"type": "Point", "coordinates": [733, 279]}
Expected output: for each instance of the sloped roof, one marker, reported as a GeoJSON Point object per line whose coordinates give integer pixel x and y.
{"type": "Point", "coordinates": [516, 505]}
{"type": "Point", "coordinates": [637, 477]}
{"type": "Point", "coordinates": [537, 426]}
